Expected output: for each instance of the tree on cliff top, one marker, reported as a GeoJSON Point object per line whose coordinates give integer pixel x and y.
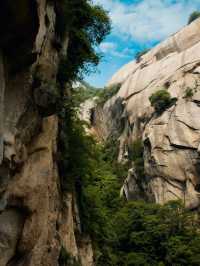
{"type": "Point", "coordinates": [193, 16]}
{"type": "Point", "coordinates": [87, 26]}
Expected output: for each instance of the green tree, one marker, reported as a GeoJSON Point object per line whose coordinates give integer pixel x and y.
{"type": "Point", "coordinates": [193, 16]}
{"type": "Point", "coordinates": [123, 233]}
{"type": "Point", "coordinates": [188, 93]}
{"type": "Point", "coordinates": [87, 26]}
{"type": "Point", "coordinates": [136, 154]}
{"type": "Point", "coordinates": [161, 100]}
{"type": "Point", "coordinates": [158, 235]}
{"type": "Point", "coordinates": [107, 93]}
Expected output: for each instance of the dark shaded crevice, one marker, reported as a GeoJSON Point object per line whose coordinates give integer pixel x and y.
{"type": "Point", "coordinates": [197, 188]}
{"type": "Point", "coordinates": [34, 126]}
{"type": "Point", "coordinates": [19, 204]}
{"type": "Point", "coordinates": [192, 128]}
{"type": "Point", "coordinates": [22, 259]}
{"type": "Point", "coordinates": [180, 147]}
{"type": "Point", "coordinates": [196, 102]}
{"type": "Point", "coordinates": [14, 218]}
{"type": "Point", "coordinates": [18, 29]}
{"type": "Point", "coordinates": [171, 181]}
{"type": "Point", "coordinates": [92, 116]}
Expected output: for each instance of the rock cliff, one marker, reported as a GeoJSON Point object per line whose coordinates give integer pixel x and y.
{"type": "Point", "coordinates": [37, 220]}
{"type": "Point", "coordinates": [40, 224]}
{"type": "Point", "coordinates": [172, 139]}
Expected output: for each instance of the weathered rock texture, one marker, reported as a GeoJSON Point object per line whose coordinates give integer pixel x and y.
{"type": "Point", "coordinates": [172, 139]}
{"type": "Point", "coordinates": [36, 218]}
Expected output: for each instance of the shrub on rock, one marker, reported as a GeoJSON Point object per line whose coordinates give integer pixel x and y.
{"type": "Point", "coordinates": [161, 100]}
{"type": "Point", "coordinates": [193, 16]}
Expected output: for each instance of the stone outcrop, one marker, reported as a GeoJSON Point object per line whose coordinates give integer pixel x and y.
{"type": "Point", "coordinates": [37, 219]}
{"type": "Point", "coordinates": [171, 139]}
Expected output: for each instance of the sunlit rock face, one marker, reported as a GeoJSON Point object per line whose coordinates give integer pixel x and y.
{"type": "Point", "coordinates": [172, 138]}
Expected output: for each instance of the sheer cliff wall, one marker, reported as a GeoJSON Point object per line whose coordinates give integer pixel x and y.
{"type": "Point", "coordinates": [172, 139]}
{"type": "Point", "coordinates": [37, 219]}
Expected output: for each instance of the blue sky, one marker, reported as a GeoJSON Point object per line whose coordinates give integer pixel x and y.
{"type": "Point", "coordinates": [136, 25]}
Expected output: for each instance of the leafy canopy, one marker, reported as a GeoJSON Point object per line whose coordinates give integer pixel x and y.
{"type": "Point", "coordinates": [107, 93]}
{"type": "Point", "coordinates": [188, 93]}
{"type": "Point", "coordinates": [150, 234]}
{"type": "Point", "coordinates": [123, 233]}
{"type": "Point", "coordinates": [87, 26]}
{"type": "Point", "coordinates": [136, 154]}
{"type": "Point", "coordinates": [193, 16]}
{"type": "Point", "coordinates": [161, 100]}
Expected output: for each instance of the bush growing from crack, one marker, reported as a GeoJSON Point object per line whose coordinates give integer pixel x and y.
{"type": "Point", "coordinates": [136, 154]}
{"type": "Point", "coordinates": [188, 93]}
{"type": "Point", "coordinates": [195, 15]}
{"type": "Point", "coordinates": [161, 100]}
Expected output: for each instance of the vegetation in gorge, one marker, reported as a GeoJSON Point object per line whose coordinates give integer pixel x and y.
{"type": "Point", "coordinates": [136, 154]}
{"type": "Point", "coordinates": [84, 92]}
{"type": "Point", "coordinates": [123, 233]}
{"type": "Point", "coordinates": [193, 16]}
{"type": "Point", "coordinates": [161, 100]}
{"type": "Point", "coordinates": [106, 93]}
{"type": "Point", "coordinates": [102, 95]}
{"type": "Point", "coordinates": [149, 234]}
{"type": "Point", "coordinates": [65, 259]}
{"type": "Point", "coordinates": [87, 25]}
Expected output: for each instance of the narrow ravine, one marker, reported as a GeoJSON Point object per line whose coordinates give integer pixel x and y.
{"type": "Point", "coordinates": [96, 176]}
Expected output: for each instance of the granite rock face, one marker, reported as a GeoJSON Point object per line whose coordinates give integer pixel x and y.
{"type": "Point", "coordinates": [33, 209]}
{"type": "Point", "coordinates": [171, 139]}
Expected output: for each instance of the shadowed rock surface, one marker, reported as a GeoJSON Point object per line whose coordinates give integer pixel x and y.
{"type": "Point", "coordinates": [36, 219]}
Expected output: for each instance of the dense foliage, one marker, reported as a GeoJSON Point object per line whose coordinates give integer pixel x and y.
{"type": "Point", "coordinates": [188, 93]}
{"type": "Point", "coordinates": [161, 100]}
{"type": "Point", "coordinates": [148, 234]}
{"type": "Point", "coordinates": [193, 16]}
{"type": "Point", "coordinates": [101, 95]}
{"type": "Point", "coordinates": [123, 233]}
{"type": "Point", "coordinates": [136, 155]}
{"type": "Point", "coordinates": [84, 92]}
{"type": "Point", "coordinates": [83, 161]}
{"type": "Point", "coordinates": [65, 259]}
{"type": "Point", "coordinates": [87, 26]}
{"type": "Point", "coordinates": [106, 93]}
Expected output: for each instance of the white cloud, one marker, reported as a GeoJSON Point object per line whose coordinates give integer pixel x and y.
{"type": "Point", "coordinates": [148, 20]}
{"type": "Point", "coordinates": [124, 53]}
{"type": "Point", "coordinates": [113, 50]}
{"type": "Point", "coordinates": [107, 47]}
